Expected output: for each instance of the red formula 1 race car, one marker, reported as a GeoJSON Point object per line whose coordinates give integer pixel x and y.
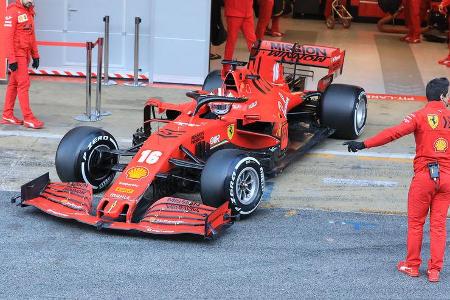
{"type": "Point", "coordinates": [224, 142]}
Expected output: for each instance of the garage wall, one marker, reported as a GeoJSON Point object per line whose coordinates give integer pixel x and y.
{"type": "Point", "coordinates": [174, 35]}
{"type": "Point", "coordinates": [180, 40]}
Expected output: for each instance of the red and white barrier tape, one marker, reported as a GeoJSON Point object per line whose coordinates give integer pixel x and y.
{"type": "Point", "coordinates": [72, 73]}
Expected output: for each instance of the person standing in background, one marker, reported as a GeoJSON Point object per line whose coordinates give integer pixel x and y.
{"type": "Point", "coordinates": [218, 32]}
{"type": "Point", "coordinates": [239, 14]}
{"type": "Point", "coordinates": [443, 9]}
{"type": "Point", "coordinates": [277, 12]}
{"type": "Point", "coordinates": [412, 16]}
{"type": "Point", "coordinates": [265, 14]}
{"type": "Point", "coordinates": [20, 45]}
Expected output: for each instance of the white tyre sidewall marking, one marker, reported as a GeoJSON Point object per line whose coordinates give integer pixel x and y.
{"type": "Point", "coordinates": [91, 147]}
{"type": "Point", "coordinates": [231, 187]}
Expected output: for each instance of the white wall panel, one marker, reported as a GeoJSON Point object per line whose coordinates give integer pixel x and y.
{"type": "Point", "coordinates": [174, 35]}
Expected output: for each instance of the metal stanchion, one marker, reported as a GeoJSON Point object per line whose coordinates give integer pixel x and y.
{"type": "Point", "coordinates": [88, 116]}
{"type": "Point", "coordinates": [98, 100]}
{"type": "Point", "coordinates": [106, 80]}
{"type": "Point", "coordinates": [136, 82]}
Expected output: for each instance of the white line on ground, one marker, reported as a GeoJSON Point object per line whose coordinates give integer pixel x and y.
{"type": "Point", "coordinates": [364, 154]}
{"type": "Point", "coordinates": [358, 182]}
{"type": "Point", "coordinates": [34, 134]}
{"type": "Point", "coordinates": [44, 135]}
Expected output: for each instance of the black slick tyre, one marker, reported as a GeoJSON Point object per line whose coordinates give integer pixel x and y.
{"type": "Point", "coordinates": [344, 108]}
{"type": "Point", "coordinates": [78, 159]}
{"type": "Point", "coordinates": [232, 175]}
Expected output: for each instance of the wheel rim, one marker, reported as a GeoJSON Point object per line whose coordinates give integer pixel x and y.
{"type": "Point", "coordinates": [360, 115]}
{"type": "Point", "coordinates": [247, 186]}
{"type": "Point", "coordinates": [98, 165]}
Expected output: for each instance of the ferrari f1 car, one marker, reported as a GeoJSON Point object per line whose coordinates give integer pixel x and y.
{"type": "Point", "coordinates": [244, 125]}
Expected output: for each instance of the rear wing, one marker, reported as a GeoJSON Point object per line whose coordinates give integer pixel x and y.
{"type": "Point", "coordinates": [267, 55]}
{"type": "Point", "coordinates": [307, 55]}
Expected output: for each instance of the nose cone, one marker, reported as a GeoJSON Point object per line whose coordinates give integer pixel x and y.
{"type": "Point", "coordinates": [115, 209]}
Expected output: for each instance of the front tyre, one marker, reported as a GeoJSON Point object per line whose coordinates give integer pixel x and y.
{"type": "Point", "coordinates": [233, 175]}
{"type": "Point", "coordinates": [344, 108]}
{"type": "Point", "coordinates": [79, 157]}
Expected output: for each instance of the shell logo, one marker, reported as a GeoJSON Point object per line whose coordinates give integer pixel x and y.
{"type": "Point", "coordinates": [440, 145]}
{"type": "Point", "coordinates": [137, 173]}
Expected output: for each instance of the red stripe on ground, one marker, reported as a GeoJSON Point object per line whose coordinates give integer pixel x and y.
{"type": "Point", "coordinates": [43, 72]}
{"type": "Point", "coordinates": [391, 97]}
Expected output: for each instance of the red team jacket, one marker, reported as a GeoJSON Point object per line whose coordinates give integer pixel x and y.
{"type": "Point", "coordinates": [20, 35]}
{"type": "Point", "coordinates": [431, 127]}
{"type": "Point", "coordinates": [239, 8]}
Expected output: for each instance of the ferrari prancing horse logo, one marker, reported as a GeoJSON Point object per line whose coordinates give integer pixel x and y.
{"type": "Point", "coordinates": [433, 121]}
{"type": "Point", "coordinates": [230, 131]}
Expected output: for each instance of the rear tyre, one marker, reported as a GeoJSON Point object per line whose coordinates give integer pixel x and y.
{"type": "Point", "coordinates": [344, 108]}
{"type": "Point", "coordinates": [213, 81]}
{"type": "Point", "coordinates": [232, 175]}
{"type": "Point", "coordinates": [78, 159]}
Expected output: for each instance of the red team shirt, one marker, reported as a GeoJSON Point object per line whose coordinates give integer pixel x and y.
{"type": "Point", "coordinates": [431, 127]}
{"type": "Point", "coordinates": [20, 35]}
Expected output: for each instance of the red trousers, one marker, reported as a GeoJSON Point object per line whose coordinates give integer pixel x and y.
{"type": "Point", "coordinates": [328, 9]}
{"type": "Point", "coordinates": [423, 197]}
{"type": "Point", "coordinates": [19, 85]}
{"type": "Point", "coordinates": [234, 25]}
{"type": "Point", "coordinates": [265, 13]}
{"type": "Point", "coordinates": [276, 24]}
{"type": "Point", "coordinates": [412, 15]}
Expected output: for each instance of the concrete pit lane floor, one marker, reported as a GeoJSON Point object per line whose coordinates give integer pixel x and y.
{"type": "Point", "coordinates": [332, 225]}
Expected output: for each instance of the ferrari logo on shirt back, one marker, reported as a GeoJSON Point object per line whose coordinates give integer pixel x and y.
{"type": "Point", "coordinates": [433, 121]}
{"type": "Point", "coordinates": [230, 131]}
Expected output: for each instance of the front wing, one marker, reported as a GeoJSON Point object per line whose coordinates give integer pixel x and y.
{"type": "Point", "coordinates": [166, 216]}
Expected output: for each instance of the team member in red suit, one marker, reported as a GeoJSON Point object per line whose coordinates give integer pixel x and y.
{"type": "Point", "coordinates": [239, 15]}
{"type": "Point", "coordinates": [20, 45]}
{"type": "Point", "coordinates": [412, 15]}
{"type": "Point", "coordinates": [277, 12]}
{"type": "Point", "coordinates": [431, 128]}
{"type": "Point", "coordinates": [265, 13]}
{"type": "Point", "coordinates": [442, 9]}
{"type": "Point", "coordinates": [328, 9]}
{"type": "Point", "coordinates": [275, 30]}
